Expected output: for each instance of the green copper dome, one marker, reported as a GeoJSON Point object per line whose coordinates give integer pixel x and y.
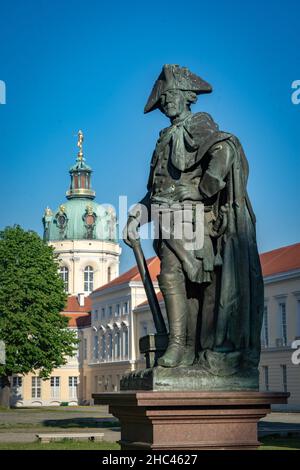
{"type": "Point", "coordinates": [80, 217]}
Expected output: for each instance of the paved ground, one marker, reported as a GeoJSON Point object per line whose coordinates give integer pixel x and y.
{"type": "Point", "coordinates": [280, 423]}
{"type": "Point", "coordinates": [22, 425]}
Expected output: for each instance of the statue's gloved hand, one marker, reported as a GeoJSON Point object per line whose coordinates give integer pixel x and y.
{"type": "Point", "coordinates": [130, 231]}
{"type": "Point", "coordinates": [186, 193]}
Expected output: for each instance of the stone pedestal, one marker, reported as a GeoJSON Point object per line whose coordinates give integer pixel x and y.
{"type": "Point", "coordinates": [154, 420]}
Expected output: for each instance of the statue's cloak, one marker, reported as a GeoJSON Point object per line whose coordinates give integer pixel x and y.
{"type": "Point", "coordinates": [241, 302]}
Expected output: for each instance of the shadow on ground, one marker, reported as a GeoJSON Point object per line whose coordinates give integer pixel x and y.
{"type": "Point", "coordinates": [83, 423]}
{"type": "Point", "coordinates": [273, 427]}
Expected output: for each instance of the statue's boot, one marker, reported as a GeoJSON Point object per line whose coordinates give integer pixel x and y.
{"type": "Point", "coordinates": [176, 307]}
{"type": "Point", "coordinates": [191, 332]}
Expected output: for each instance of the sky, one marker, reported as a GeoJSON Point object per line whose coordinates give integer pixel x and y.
{"type": "Point", "coordinates": [91, 65]}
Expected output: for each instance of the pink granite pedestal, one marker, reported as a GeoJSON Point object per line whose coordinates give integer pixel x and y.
{"type": "Point", "coordinates": [153, 420]}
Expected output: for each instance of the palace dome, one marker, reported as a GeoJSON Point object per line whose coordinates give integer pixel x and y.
{"type": "Point", "coordinates": [80, 217]}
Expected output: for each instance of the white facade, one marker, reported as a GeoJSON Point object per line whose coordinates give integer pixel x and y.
{"type": "Point", "coordinates": [281, 327]}
{"type": "Point", "coordinates": [89, 263]}
{"type": "Point", "coordinates": [113, 340]}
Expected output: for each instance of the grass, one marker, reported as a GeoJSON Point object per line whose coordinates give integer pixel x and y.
{"type": "Point", "coordinates": [268, 443]}
{"type": "Point", "coordinates": [65, 444]}
{"type": "Point", "coordinates": [82, 423]}
{"type": "Point", "coordinates": [280, 443]}
{"type": "Point", "coordinates": [53, 409]}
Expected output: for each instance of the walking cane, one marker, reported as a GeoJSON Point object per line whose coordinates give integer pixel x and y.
{"type": "Point", "coordinates": [150, 292]}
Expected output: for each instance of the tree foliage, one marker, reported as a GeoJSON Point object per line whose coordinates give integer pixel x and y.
{"type": "Point", "coordinates": [31, 299]}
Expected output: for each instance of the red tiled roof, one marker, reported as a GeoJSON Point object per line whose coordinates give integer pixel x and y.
{"type": "Point", "coordinates": [78, 316]}
{"type": "Point", "coordinates": [134, 275]}
{"type": "Point", "coordinates": [159, 297]}
{"type": "Point", "coordinates": [78, 319]}
{"type": "Point", "coordinates": [281, 260]}
{"type": "Point", "coordinates": [73, 305]}
{"type": "Point", "coordinates": [276, 261]}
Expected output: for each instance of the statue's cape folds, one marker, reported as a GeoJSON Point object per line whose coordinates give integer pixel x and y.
{"type": "Point", "coordinates": [240, 309]}
{"type": "Point", "coordinates": [241, 300]}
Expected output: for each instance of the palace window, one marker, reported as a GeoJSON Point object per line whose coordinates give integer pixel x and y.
{"type": "Point", "coordinates": [64, 274]}
{"type": "Point", "coordinates": [103, 347]}
{"type": "Point", "coordinates": [284, 377]}
{"type": "Point", "coordinates": [110, 345]}
{"type": "Point", "coordinates": [55, 387]}
{"type": "Point", "coordinates": [282, 307]}
{"type": "Point", "coordinates": [117, 345]}
{"type": "Point", "coordinates": [109, 274]}
{"type": "Point", "coordinates": [125, 344]}
{"type": "Point", "coordinates": [266, 377]}
{"type": "Point", "coordinates": [73, 383]}
{"type": "Point", "coordinates": [96, 347]}
{"type": "Point", "coordinates": [36, 387]}
{"type": "Point", "coordinates": [125, 308]}
{"type": "Point", "coordinates": [265, 329]}
{"type": "Point", "coordinates": [88, 279]}
{"type": "Point", "coordinates": [17, 382]}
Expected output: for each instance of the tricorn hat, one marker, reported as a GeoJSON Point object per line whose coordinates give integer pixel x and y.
{"type": "Point", "coordinates": [174, 77]}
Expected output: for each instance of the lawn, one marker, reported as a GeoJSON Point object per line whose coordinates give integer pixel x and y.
{"type": "Point", "coordinates": [280, 443]}
{"type": "Point", "coordinates": [268, 443]}
{"type": "Point", "coordinates": [65, 444]}
{"type": "Point", "coordinates": [57, 424]}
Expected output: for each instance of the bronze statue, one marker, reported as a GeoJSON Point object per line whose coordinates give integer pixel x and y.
{"type": "Point", "coordinates": [213, 294]}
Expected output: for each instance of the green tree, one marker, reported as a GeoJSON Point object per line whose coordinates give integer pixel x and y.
{"type": "Point", "coordinates": [31, 299]}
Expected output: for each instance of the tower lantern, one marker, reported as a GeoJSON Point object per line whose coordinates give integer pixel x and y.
{"type": "Point", "coordinates": [80, 175]}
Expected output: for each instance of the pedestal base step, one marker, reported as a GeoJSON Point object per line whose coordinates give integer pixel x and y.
{"type": "Point", "coordinates": [189, 420]}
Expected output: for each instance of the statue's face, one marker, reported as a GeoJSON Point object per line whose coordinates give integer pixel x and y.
{"type": "Point", "coordinates": [173, 103]}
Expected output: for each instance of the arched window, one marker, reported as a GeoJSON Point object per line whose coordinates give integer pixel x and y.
{"type": "Point", "coordinates": [103, 347]}
{"type": "Point", "coordinates": [109, 274]}
{"type": "Point", "coordinates": [88, 279]}
{"type": "Point", "coordinates": [64, 274]}
{"type": "Point", "coordinates": [117, 345]}
{"type": "Point", "coordinates": [110, 346]}
{"type": "Point", "coordinates": [125, 344]}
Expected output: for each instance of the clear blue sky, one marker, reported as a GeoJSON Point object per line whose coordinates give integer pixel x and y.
{"type": "Point", "coordinates": [90, 65]}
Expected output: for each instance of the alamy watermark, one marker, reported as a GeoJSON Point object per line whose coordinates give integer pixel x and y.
{"type": "Point", "coordinates": [296, 354]}
{"type": "Point", "coordinates": [2, 92]}
{"type": "Point", "coordinates": [296, 93]}
{"type": "Point", "coordinates": [170, 221]}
